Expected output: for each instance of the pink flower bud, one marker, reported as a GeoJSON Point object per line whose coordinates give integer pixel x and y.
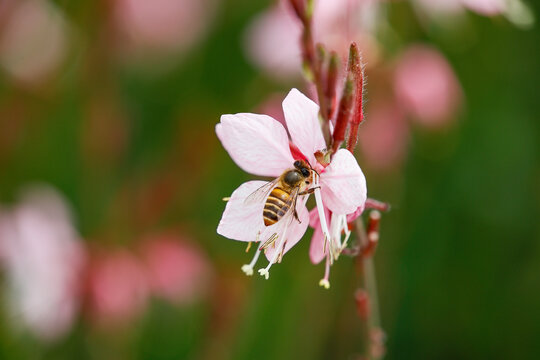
{"type": "Point", "coordinates": [177, 270]}
{"type": "Point", "coordinates": [426, 86]}
{"type": "Point", "coordinates": [117, 287]}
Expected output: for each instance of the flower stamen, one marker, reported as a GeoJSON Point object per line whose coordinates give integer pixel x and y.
{"type": "Point", "coordinates": [325, 283]}
{"type": "Point", "coordinates": [279, 250]}
{"type": "Point", "coordinates": [345, 227]}
{"type": "Point", "coordinates": [320, 209]}
{"type": "Point", "coordinates": [248, 268]}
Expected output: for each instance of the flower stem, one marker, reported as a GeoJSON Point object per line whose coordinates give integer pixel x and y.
{"type": "Point", "coordinates": [366, 295]}
{"type": "Point", "coordinates": [313, 59]}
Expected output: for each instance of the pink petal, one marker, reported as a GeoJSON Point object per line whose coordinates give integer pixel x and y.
{"type": "Point", "coordinates": [302, 116]}
{"type": "Point", "coordinates": [257, 143]}
{"type": "Point", "coordinates": [316, 248]}
{"type": "Point", "coordinates": [242, 221]}
{"type": "Point", "coordinates": [343, 185]}
{"type": "Point", "coordinates": [359, 211]}
{"type": "Point", "coordinates": [295, 231]}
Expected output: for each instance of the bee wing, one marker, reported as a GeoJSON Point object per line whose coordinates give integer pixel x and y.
{"type": "Point", "coordinates": [261, 193]}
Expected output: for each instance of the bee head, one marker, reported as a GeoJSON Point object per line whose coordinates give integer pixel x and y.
{"type": "Point", "coordinates": [303, 167]}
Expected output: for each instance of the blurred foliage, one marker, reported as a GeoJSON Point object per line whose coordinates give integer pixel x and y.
{"type": "Point", "coordinates": [459, 255]}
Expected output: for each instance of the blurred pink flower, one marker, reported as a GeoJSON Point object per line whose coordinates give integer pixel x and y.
{"type": "Point", "coordinates": [177, 270]}
{"type": "Point", "coordinates": [260, 145]}
{"type": "Point", "coordinates": [43, 259]}
{"type": "Point", "coordinates": [486, 7]}
{"type": "Point", "coordinates": [117, 287]}
{"type": "Point", "coordinates": [162, 25]}
{"type": "Point", "coordinates": [383, 138]}
{"type": "Point", "coordinates": [482, 7]}
{"type": "Point", "coordinates": [273, 38]}
{"type": "Point", "coordinates": [34, 40]}
{"type": "Point", "coordinates": [272, 41]}
{"type": "Point", "coordinates": [426, 86]}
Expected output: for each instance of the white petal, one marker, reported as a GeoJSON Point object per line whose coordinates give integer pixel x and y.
{"type": "Point", "coordinates": [343, 184]}
{"type": "Point", "coordinates": [302, 117]}
{"type": "Point", "coordinates": [242, 221]}
{"type": "Point", "coordinates": [257, 143]}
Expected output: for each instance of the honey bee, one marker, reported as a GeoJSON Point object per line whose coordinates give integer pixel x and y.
{"type": "Point", "coordinates": [280, 195]}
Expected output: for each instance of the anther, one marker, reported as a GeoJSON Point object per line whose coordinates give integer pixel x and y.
{"type": "Point", "coordinates": [264, 272]}
{"type": "Point", "coordinates": [324, 283]}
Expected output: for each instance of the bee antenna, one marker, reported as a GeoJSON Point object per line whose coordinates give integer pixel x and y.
{"type": "Point", "coordinates": [311, 167]}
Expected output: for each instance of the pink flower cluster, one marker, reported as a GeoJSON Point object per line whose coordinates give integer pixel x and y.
{"type": "Point", "coordinates": [51, 274]}
{"type": "Point", "coordinates": [261, 146]}
{"type": "Point", "coordinates": [425, 92]}
{"type": "Point", "coordinates": [119, 282]}
{"type": "Point", "coordinates": [272, 38]}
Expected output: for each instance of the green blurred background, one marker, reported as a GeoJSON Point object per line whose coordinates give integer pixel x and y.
{"type": "Point", "coordinates": [131, 145]}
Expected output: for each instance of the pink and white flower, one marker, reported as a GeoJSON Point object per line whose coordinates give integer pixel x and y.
{"type": "Point", "coordinates": [43, 259]}
{"type": "Point", "coordinates": [261, 146]}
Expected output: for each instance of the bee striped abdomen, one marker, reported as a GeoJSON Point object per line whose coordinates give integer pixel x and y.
{"type": "Point", "coordinates": [277, 204]}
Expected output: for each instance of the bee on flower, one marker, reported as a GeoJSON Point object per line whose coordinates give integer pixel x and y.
{"type": "Point", "coordinates": [274, 214]}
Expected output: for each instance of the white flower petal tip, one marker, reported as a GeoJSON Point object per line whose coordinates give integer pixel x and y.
{"type": "Point", "coordinates": [247, 269]}
{"type": "Point", "coordinates": [324, 283]}
{"type": "Point", "coordinates": [265, 273]}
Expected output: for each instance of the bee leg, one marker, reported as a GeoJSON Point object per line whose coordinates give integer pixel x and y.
{"type": "Point", "coordinates": [296, 216]}
{"type": "Point", "coordinates": [309, 191]}
{"type": "Point", "coordinates": [295, 213]}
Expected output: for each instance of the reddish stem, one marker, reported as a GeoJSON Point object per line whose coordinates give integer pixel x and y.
{"type": "Point", "coordinates": [357, 70]}
{"type": "Point", "coordinates": [372, 234]}
{"type": "Point", "coordinates": [377, 205]}
{"type": "Point", "coordinates": [343, 115]}
{"type": "Point", "coordinates": [312, 61]}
